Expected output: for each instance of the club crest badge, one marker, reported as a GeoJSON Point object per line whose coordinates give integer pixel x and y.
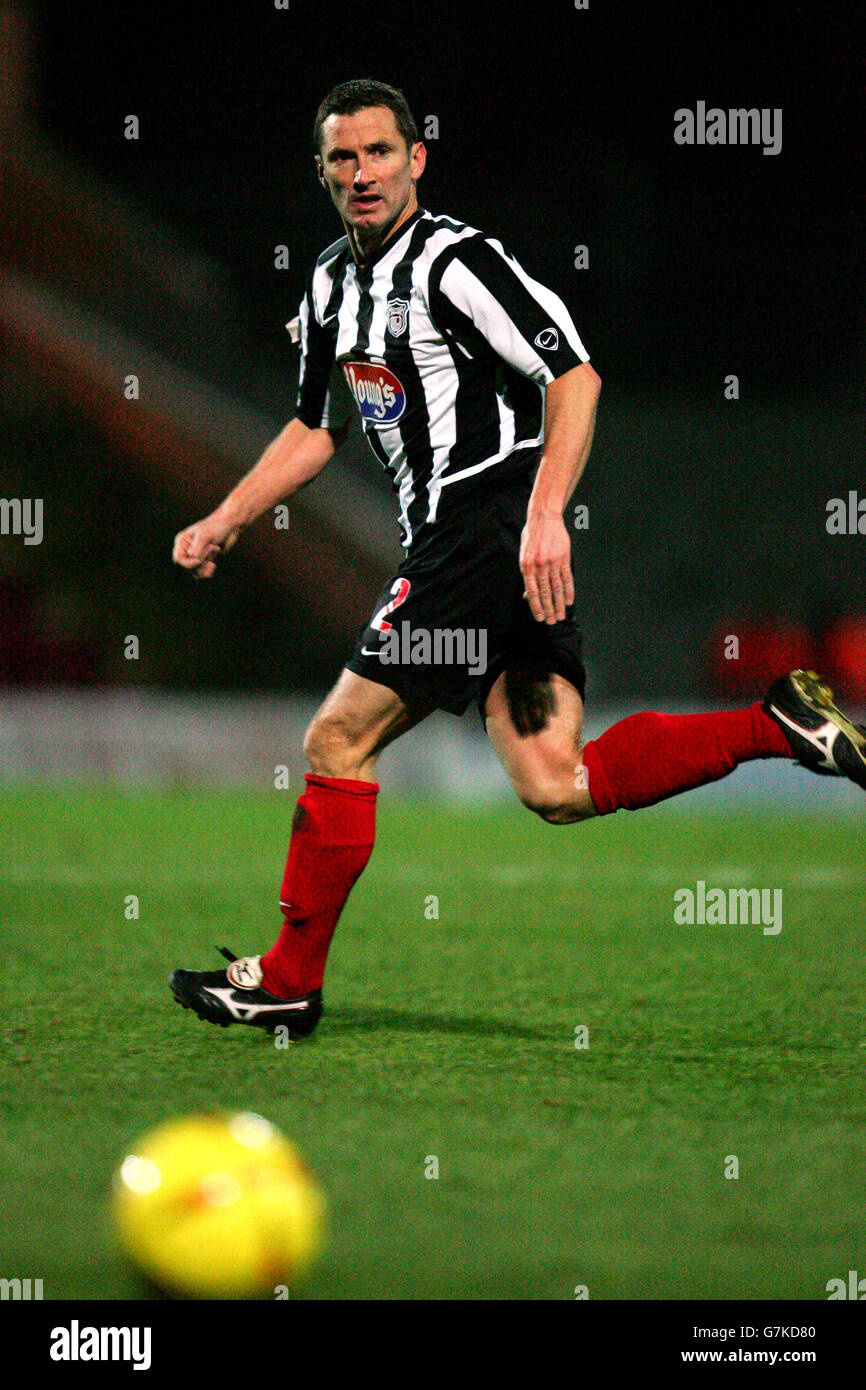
{"type": "Point", "coordinates": [398, 316]}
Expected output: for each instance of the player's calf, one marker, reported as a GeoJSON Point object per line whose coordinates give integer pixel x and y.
{"type": "Point", "coordinates": [542, 755]}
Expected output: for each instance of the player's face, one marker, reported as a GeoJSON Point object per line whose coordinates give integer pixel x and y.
{"type": "Point", "coordinates": [368, 171]}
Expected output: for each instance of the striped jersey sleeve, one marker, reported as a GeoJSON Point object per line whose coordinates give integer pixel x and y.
{"type": "Point", "coordinates": [323, 400]}
{"type": "Point", "coordinates": [478, 289]}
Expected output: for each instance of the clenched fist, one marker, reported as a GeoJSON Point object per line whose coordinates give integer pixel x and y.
{"type": "Point", "coordinates": [199, 546]}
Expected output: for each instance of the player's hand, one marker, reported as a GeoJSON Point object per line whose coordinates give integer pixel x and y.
{"type": "Point", "coordinates": [545, 563]}
{"type": "Point", "coordinates": [199, 546]}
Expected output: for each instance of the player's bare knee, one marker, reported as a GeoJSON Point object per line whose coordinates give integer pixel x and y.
{"type": "Point", "coordinates": [331, 747]}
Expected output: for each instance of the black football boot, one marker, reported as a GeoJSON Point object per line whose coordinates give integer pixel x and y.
{"type": "Point", "coordinates": [235, 995]}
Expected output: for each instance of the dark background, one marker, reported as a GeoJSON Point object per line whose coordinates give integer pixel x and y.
{"type": "Point", "coordinates": [555, 128]}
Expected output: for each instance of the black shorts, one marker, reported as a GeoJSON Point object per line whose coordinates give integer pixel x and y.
{"type": "Point", "coordinates": [454, 617]}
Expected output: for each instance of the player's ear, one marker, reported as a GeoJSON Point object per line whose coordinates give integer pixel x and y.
{"type": "Point", "coordinates": [418, 159]}
{"type": "Point", "coordinates": [320, 170]}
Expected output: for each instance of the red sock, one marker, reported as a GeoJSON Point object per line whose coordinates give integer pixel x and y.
{"type": "Point", "coordinates": [648, 757]}
{"type": "Point", "coordinates": [332, 839]}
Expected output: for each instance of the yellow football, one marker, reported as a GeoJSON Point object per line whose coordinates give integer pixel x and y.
{"type": "Point", "coordinates": [218, 1206]}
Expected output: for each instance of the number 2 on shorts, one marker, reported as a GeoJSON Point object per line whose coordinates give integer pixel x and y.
{"type": "Point", "coordinates": [400, 589]}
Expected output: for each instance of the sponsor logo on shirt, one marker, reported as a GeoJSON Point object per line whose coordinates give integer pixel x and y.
{"type": "Point", "coordinates": [379, 394]}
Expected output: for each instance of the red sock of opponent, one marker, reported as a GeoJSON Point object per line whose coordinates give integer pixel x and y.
{"type": "Point", "coordinates": [648, 757]}
{"type": "Point", "coordinates": [332, 839]}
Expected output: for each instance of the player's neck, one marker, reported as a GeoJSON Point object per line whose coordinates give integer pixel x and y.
{"type": "Point", "coordinates": [363, 250]}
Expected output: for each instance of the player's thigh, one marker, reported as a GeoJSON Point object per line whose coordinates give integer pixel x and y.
{"type": "Point", "coordinates": [358, 718]}
{"type": "Point", "coordinates": [534, 720]}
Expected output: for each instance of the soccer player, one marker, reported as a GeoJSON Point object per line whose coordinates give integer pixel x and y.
{"type": "Point", "coordinates": [477, 394]}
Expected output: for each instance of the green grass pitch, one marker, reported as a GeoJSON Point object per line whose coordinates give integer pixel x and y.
{"type": "Point", "coordinates": [454, 1036]}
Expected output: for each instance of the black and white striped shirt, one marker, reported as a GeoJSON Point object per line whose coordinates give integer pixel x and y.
{"type": "Point", "coordinates": [446, 345]}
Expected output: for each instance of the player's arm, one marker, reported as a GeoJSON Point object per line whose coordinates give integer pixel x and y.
{"type": "Point", "coordinates": [479, 288]}
{"type": "Point", "coordinates": [545, 550]}
{"type": "Point", "coordinates": [295, 457]}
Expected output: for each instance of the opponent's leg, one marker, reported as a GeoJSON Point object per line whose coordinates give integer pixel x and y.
{"type": "Point", "coordinates": [332, 839]}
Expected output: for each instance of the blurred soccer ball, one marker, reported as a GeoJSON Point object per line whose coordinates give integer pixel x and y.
{"type": "Point", "coordinates": [217, 1206]}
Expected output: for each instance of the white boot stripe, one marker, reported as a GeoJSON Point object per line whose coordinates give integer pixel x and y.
{"type": "Point", "coordinates": [241, 1010]}
{"type": "Point", "coordinates": [821, 739]}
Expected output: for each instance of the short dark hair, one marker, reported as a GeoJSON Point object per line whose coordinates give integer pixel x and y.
{"type": "Point", "coordinates": [348, 97]}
